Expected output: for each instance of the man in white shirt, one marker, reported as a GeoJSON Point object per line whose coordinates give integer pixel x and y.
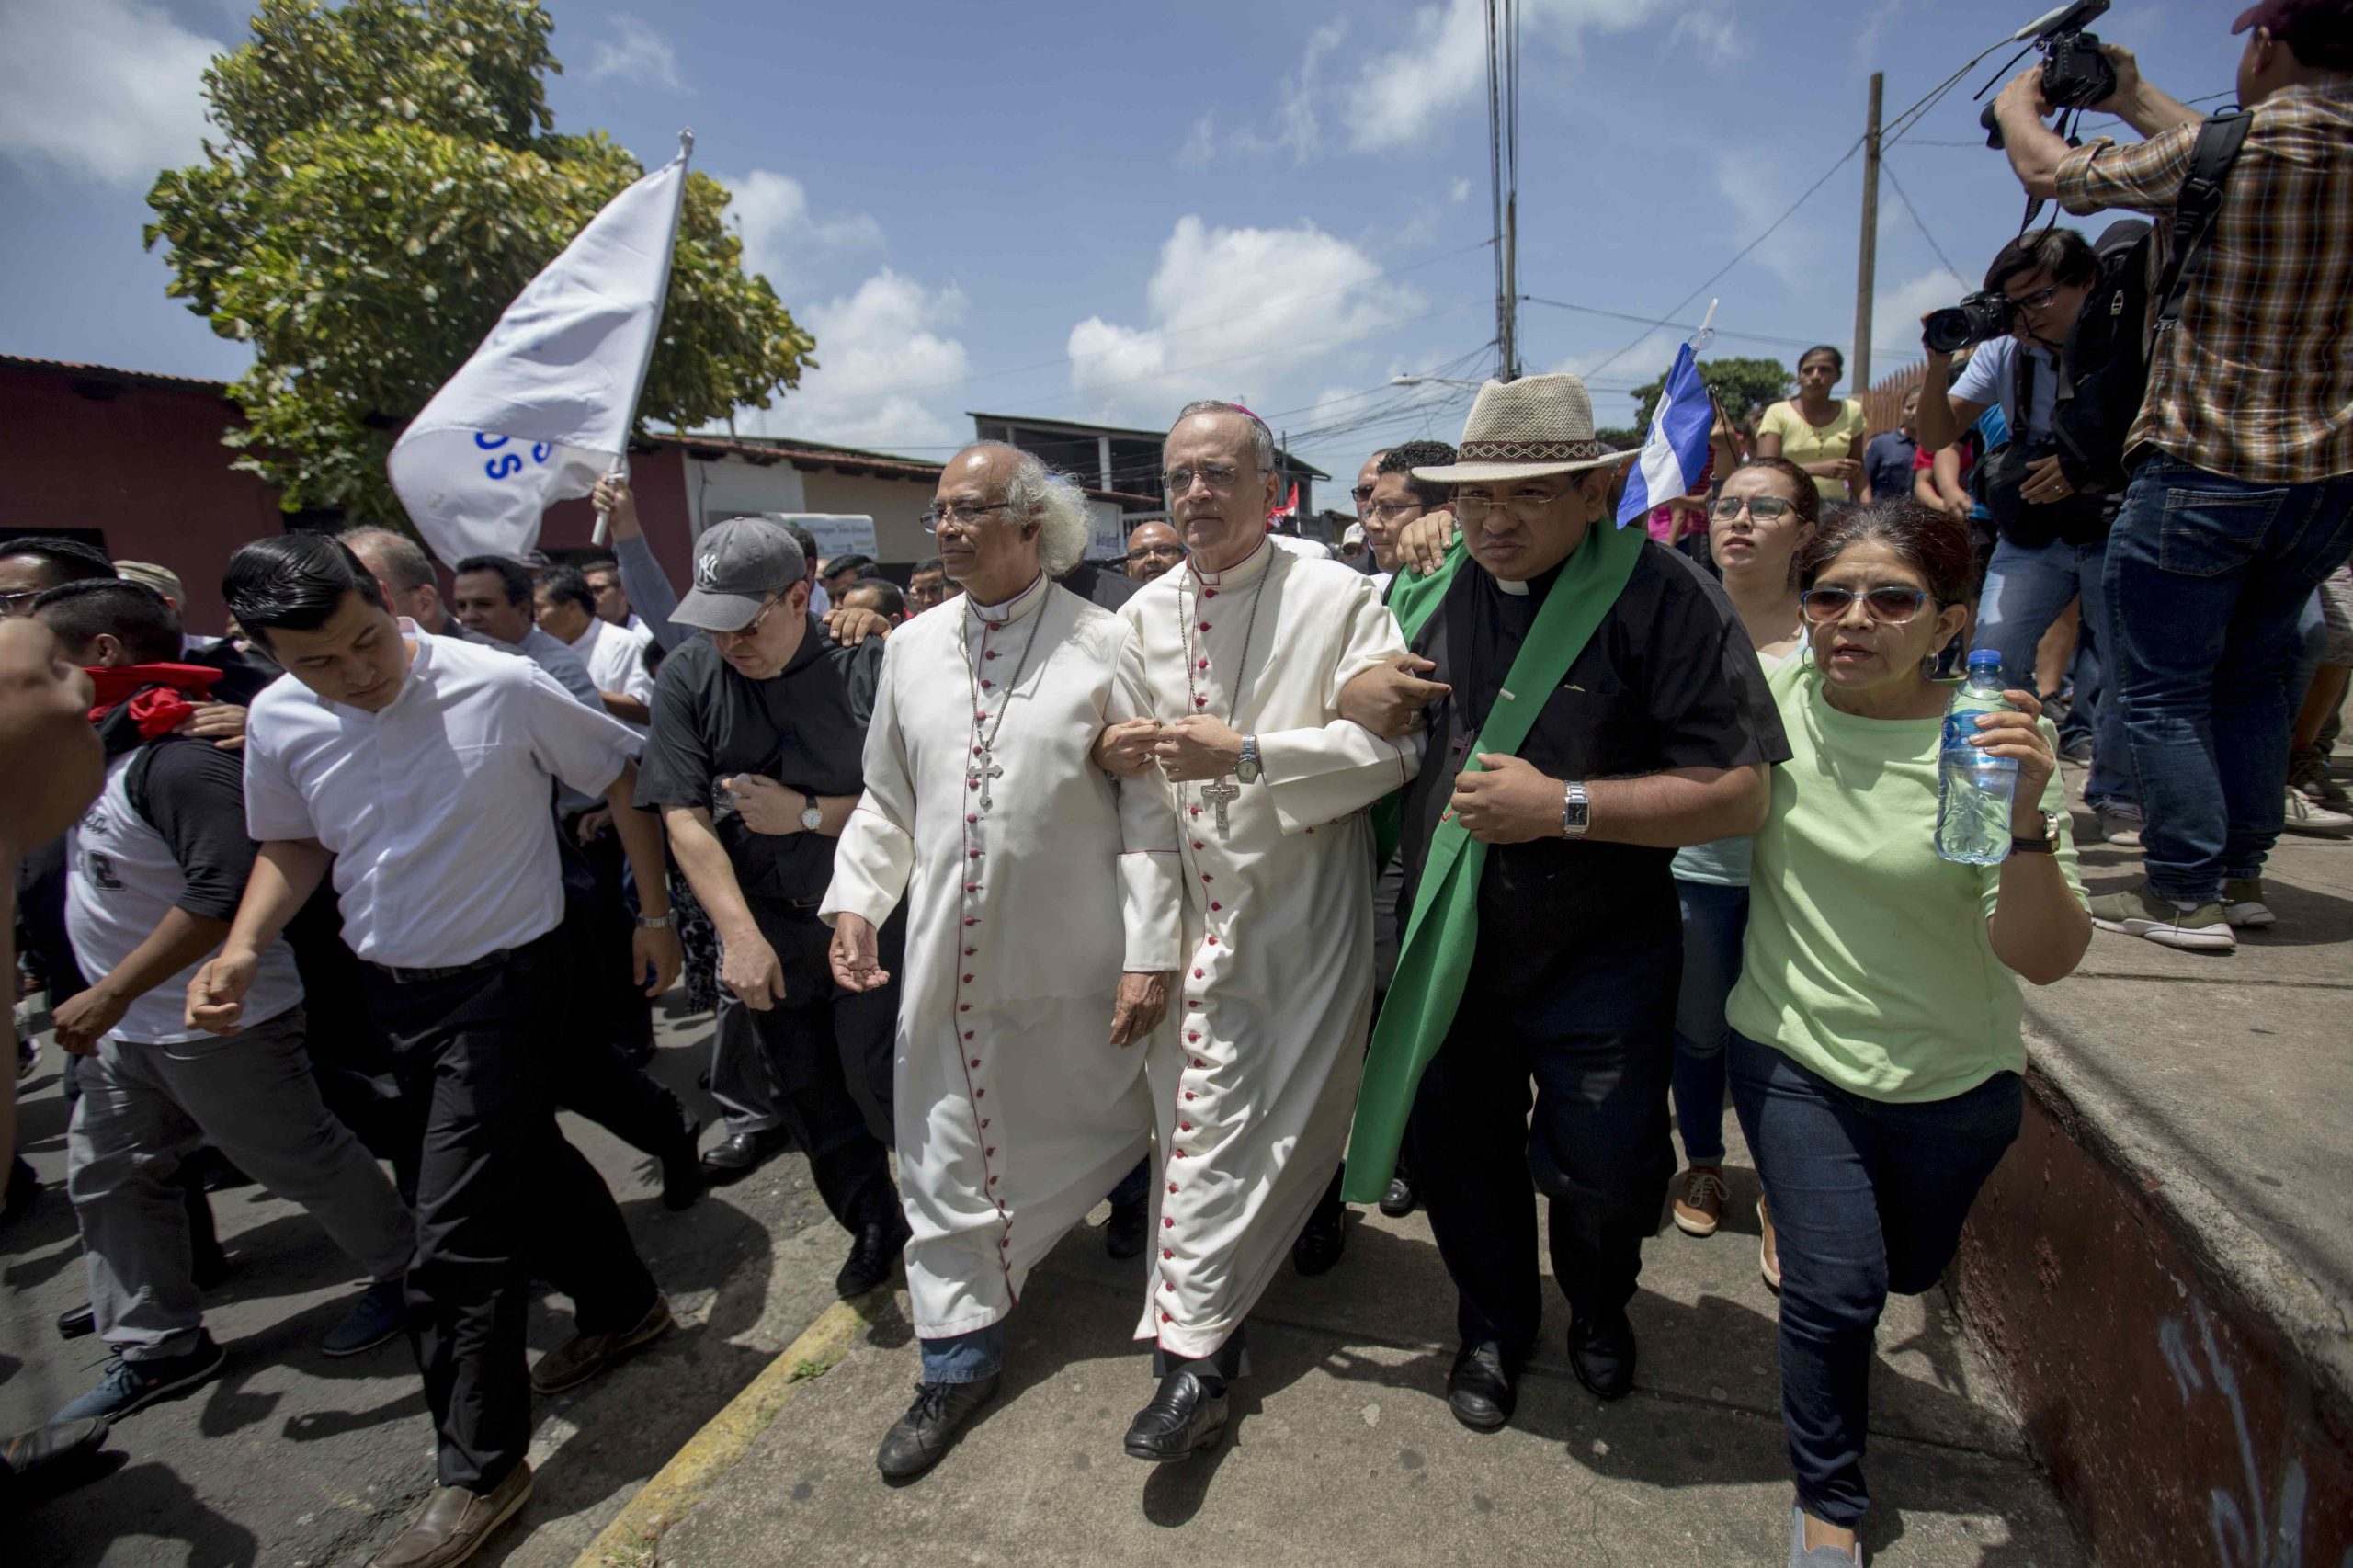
{"type": "Point", "coordinates": [614, 654]}
{"type": "Point", "coordinates": [405, 572]}
{"type": "Point", "coordinates": [420, 769]}
{"type": "Point", "coordinates": [492, 596]}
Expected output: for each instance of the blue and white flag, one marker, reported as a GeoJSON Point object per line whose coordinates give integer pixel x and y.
{"type": "Point", "coordinates": [1675, 453]}
{"type": "Point", "coordinates": [544, 405]}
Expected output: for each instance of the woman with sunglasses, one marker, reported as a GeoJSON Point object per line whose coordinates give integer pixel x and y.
{"type": "Point", "coordinates": [1766, 512]}
{"type": "Point", "coordinates": [1876, 1054]}
{"type": "Point", "coordinates": [1821, 435]}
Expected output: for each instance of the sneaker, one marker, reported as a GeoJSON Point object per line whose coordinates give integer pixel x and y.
{"type": "Point", "coordinates": [2308, 775]}
{"type": "Point", "coordinates": [1699, 1200]}
{"type": "Point", "coordinates": [1820, 1556]}
{"type": "Point", "coordinates": [2316, 821]}
{"type": "Point", "coordinates": [133, 1385]}
{"type": "Point", "coordinates": [1769, 1250]}
{"type": "Point", "coordinates": [2243, 903]}
{"type": "Point", "coordinates": [380, 1313]}
{"type": "Point", "coordinates": [2118, 824]}
{"type": "Point", "coordinates": [2141, 913]}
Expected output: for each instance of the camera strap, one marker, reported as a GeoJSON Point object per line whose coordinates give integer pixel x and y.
{"type": "Point", "coordinates": [2216, 149]}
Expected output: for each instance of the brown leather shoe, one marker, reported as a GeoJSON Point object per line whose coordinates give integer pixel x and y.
{"type": "Point", "coordinates": [584, 1355]}
{"type": "Point", "coordinates": [454, 1523]}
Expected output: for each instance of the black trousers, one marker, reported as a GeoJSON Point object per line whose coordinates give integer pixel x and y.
{"type": "Point", "coordinates": [1595, 1032]}
{"type": "Point", "coordinates": [828, 1055]}
{"type": "Point", "coordinates": [600, 914]}
{"type": "Point", "coordinates": [501, 1198]}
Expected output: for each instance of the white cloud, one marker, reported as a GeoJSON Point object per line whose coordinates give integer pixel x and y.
{"type": "Point", "coordinates": [884, 352]}
{"type": "Point", "coordinates": [1231, 312]}
{"type": "Point", "coordinates": [638, 53]}
{"type": "Point", "coordinates": [108, 89]}
{"type": "Point", "coordinates": [1297, 131]}
{"type": "Point", "coordinates": [1753, 186]}
{"type": "Point", "coordinates": [771, 211]}
{"type": "Point", "coordinates": [1460, 191]}
{"type": "Point", "coordinates": [1896, 313]}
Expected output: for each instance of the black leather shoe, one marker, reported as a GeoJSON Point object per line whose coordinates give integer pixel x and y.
{"type": "Point", "coordinates": [1123, 1232]}
{"type": "Point", "coordinates": [1601, 1353]}
{"type": "Point", "coordinates": [1399, 1199]}
{"type": "Point", "coordinates": [1183, 1418]}
{"type": "Point", "coordinates": [921, 1438]}
{"type": "Point", "coordinates": [872, 1258]}
{"type": "Point", "coordinates": [1321, 1241]}
{"type": "Point", "coordinates": [1480, 1390]}
{"type": "Point", "coordinates": [738, 1154]}
{"type": "Point", "coordinates": [682, 1177]}
{"type": "Point", "coordinates": [76, 1321]}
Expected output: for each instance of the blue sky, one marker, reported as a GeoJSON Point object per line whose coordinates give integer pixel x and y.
{"type": "Point", "coordinates": [1092, 210]}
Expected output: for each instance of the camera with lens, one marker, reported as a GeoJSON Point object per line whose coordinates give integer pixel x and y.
{"type": "Point", "coordinates": [1979, 318]}
{"type": "Point", "coordinates": [2075, 75]}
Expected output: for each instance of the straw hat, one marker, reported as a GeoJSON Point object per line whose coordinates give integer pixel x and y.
{"type": "Point", "coordinates": [1525, 430]}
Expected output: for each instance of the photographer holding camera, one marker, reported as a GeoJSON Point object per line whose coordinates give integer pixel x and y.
{"type": "Point", "coordinates": [2241, 496]}
{"type": "Point", "coordinates": [2068, 383]}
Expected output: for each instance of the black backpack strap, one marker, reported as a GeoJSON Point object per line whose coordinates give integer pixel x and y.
{"type": "Point", "coordinates": [2217, 148]}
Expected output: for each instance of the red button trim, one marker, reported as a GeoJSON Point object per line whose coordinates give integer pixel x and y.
{"type": "Point", "coordinates": [1202, 665]}
{"type": "Point", "coordinates": [980, 1094]}
{"type": "Point", "coordinates": [1197, 974]}
{"type": "Point", "coordinates": [985, 1121]}
{"type": "Point", "coordinates": [1184, 1127]}
{"type": "Point", "coordinates": [968, 1034]}
{"type": "Point", "coordinates": [1188, 1094]}
{"type": "Point", "coordinates": [1205, 626]}
{"type": "Point", "coordinates": [1200, 702]}
{"type": "Point", "coordinates": [1210, 940]}
{"type": "Point", "coordinates": [969, 816]}
{"type": "Point", "coordinates": [974, 1063]}
{"type": "Point", "coordinates": [1209, 593]}
{"type": "Point", "coordinates": [1166, 1253]}
{"type": "Point", "coordinates": [988, 686]}
{"type": "Point", "coordinates": [1172, 1187]}
{"type": "Point", "coordinates": [1195, 1036]}
{"type": "Point", "coordinates": [1215, 906]}
{"type": "Point", "coordinates": [991, 1152]}
{"type": "Point", "coordinates": [964, 1007]}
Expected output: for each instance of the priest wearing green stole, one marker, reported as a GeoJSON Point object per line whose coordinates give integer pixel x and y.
{"type": "Point", "coordinates": [1604, 708]}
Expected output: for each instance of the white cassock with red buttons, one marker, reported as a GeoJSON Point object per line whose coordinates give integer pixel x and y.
{"type": "Point", "coordinates": [1254, 1085]}
{"type": "Point", "coordinates": [1033, 879]}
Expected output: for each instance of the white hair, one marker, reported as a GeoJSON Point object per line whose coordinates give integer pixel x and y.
{"type": "Point", "coordinates": [1054, 502]}
{"type": "Point", "coordinates": [1262, 440]}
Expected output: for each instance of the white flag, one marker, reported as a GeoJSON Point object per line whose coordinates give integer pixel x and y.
{"type": "Point", "coordinates": [544, 406]}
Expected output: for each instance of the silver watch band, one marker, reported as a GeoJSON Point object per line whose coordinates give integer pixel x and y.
{"type": "Point", "coordinates": [1576, 809]}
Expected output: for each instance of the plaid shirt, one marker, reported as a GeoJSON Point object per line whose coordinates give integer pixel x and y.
{"type": "Point", "coordinates": [2255, 380]}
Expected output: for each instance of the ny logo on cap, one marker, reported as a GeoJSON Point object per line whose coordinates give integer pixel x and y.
{"type": "Point", "coordinates": [706, 571]}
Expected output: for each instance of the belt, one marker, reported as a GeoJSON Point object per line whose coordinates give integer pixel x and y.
{"type": "Point", "coordinates": [447, 971]}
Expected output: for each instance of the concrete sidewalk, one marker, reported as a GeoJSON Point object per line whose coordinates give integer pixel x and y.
{"type": "Point", "coordinates": [1342, 1449]}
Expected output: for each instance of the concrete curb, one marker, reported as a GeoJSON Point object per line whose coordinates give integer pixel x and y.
{"type": "Point", "coordinates": [631, 1540]}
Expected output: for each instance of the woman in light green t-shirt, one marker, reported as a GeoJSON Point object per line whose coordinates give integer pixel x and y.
{"type": "Point", "coordinates": [1822, 435]}
{"type": "Point", "coordinates": [1875, 1052]}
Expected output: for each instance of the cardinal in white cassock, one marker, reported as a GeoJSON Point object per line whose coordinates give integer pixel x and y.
{"type": "Point", "coordinates": [1044, 927]}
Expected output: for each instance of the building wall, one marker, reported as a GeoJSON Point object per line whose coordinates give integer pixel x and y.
{"type": "Point", "coordinates": [896, 504]}
{"type": "Point", "coordinates": [142, 465]}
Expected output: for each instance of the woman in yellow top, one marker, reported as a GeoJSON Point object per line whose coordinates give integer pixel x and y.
{"type": "Point", "coordinates": [1824, 438]}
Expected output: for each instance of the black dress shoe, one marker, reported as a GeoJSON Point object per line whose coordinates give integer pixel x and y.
{"type": "Point", "coordinates": [918, 1439]}
{"type": "Point", "coordinates": [738, 1154]}
{"type": "Point", "coordinates": [1480, 1390]}
{"type": "Point", "coordinates": [872, 1258]}
{"type": "Point", "coordinates": [1399, 1199]}
{"type": "Point", "coordinates": [1601, 1353]}
{"type": "Point", "coordinates": [1321, 1241]}
{"type": "Point", "coordinates": [682, 1177]}
{"type": "Point", "coordinates": [1123, 1232]}
{"type": "Point", "coordinates": [1183, 1418]}
{"type": "Point", "coordinates": [76, 1321]}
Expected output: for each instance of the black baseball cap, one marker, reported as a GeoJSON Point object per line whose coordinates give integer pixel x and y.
{"type": "Point", "coordinates": [2320, 31]}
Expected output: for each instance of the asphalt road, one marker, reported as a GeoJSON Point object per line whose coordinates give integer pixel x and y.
{"type": "Point", "coordinates": [291, 1458]}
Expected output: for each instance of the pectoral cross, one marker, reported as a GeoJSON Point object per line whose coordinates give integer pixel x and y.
{"type": "Point", "coordinates": [1217, 792]}
{"type": "Point", "coordinates": [984, 776]}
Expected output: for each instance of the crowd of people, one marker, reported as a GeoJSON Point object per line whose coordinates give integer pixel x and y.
{"type": "Point", "coordinates": [1231, 881]}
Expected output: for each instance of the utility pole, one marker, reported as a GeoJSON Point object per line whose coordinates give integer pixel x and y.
{"type": "Point", "coordinates": [1507, 306]}
{"type": "Point", "coordinates": [1867, 256]}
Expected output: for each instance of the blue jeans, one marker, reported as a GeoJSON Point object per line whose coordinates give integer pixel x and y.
{"type": "Point", "coordinates": [1714, 919]}
{"type": "Point", "coordinates": [1867, 1198]}
{"type": "Point", "coordinates": [2208, 576]}
{"type": "Point", "coordinates": [2026, 590]}
{"type": "Point", "coordinates": [964, 1358]}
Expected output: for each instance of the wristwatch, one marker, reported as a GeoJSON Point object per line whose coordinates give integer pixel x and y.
{"type": "Point", "coordinates": [812, 816]}
{"type": "Point", "coordinates": [1247, 769]}
{"type": "Point", "coordinates": [2047, 845]}
{"type": "Point", "coordinates": [662, 921]}
{"type": "Point", "coordinates": [1576, 810]}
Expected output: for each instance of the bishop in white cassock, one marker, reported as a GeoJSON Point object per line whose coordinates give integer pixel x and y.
{"type": "Point", "coordinates": [1246, 650]}
{"type": "Point", "coordinates": [1044, 922]}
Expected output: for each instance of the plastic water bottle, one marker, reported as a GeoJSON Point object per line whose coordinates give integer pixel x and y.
{"type": "Point", "coordinates": [1974, 788]}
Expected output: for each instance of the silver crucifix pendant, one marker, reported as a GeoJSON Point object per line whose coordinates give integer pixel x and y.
{"type": "Point", "coordinates": [1217, 792]}
{"type": "Point", "coordinates": [984, 776]}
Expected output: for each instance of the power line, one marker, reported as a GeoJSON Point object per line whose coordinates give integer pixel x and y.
{"type": "Point", "coordinates": [1918, 221]}
{"type": "Point", "coordinates": [1679, 326]}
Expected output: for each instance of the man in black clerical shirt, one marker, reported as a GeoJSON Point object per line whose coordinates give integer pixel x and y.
{"type": "Point", "coordinates": [755, 762]}
{"type": "Point", "coordinates": [1654, 733]}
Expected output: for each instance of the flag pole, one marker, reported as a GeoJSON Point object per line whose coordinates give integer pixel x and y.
{"type": "Point", "coordinates": [620, 466]}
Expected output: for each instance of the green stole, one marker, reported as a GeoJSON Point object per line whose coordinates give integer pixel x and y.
{"type": "Point", "coordinates": [1434, 962]}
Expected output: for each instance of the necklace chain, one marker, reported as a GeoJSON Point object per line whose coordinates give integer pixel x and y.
{"type": "Point", "coordinates": [1185, 631]}
{"type": "Point", "coordinates": [972, 672]}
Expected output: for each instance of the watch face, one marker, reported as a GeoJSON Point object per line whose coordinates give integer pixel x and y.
{"type": "Point", "coordinates": [1580, 814]}
{"type": "Point", "coordinates": [812, 818]}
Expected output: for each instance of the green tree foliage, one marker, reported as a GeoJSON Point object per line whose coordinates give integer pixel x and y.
{"type": "Point", "coordinates": [386, 180]}
{"type": "Point", "coordinates": [1739, 384]}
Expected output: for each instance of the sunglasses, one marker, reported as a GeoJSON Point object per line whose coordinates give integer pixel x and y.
{"type": "Point", "coordinates": [1764, 508]}
{"type": "Point", "coordinates": [1892, 604]}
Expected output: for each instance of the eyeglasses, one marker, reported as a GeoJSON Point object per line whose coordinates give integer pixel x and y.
{"type": "Point", "coordinates": [2036, 303]}
{"type": "Point", "coordinates": [1219, 477]}
{"type": "Point", "coordinates": [1763, 508]}
{"type": "Point", "coordinates": [1472, 507]}
{"type": "Point", "coordinates": [1156, 553]}
{"type": "Point", "coordinates": [18, 603]}
{"type": "Point", "coordinates": [961, 514]}
{"type": "Point", "coordinates": [753, 625]}
{"type": "Point", "coordinates": [1363, 493]}
{"type": "Point", "coordinates": [1890, 604]}
{"type": "Point", "coordinates": [1390, 511]}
